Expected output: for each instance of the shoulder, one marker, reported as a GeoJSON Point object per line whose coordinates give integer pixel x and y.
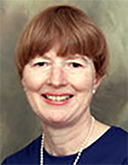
{"type": "Point", "coordinates": [111, 135]}
{"type": "Point", "coordinates": [110, 148]}
{"type": "Point", "coordinates": [116, 139]}
{"type": "Point", "coordinates": [116, 135]}
{"type": "Point", "coordinates": [25, 155]}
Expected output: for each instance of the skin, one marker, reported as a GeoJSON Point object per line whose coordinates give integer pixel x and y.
{"type": "Point", "coordinates": [63, 125]}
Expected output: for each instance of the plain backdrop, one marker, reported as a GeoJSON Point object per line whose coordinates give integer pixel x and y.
{"type": "Point", "coordinates": [18, 124]}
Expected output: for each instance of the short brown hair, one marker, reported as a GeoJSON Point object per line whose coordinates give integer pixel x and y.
{"type": "Point", "coordinates": [69, 26]}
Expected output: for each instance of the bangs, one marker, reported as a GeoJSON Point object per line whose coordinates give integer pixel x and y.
{"type": "Point", "coordinates": [67, 27]}
{"type": "Point", "coordinates": [74, 34]}
{"type": "Point", "coordinates": [72, 39]}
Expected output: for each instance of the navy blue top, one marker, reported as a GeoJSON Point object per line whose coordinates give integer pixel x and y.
{"type": "Point", "coordinates": [109, 149]}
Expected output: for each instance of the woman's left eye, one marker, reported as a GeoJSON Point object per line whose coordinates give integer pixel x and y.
{"type": "Point", "coordinates": [76, 65]}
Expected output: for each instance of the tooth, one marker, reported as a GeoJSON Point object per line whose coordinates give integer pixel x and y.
{"type": "Point", "coordinates": [62, 98]}
{"type": "Point", "coordinates": [53, 98]}
{"type": "Point", "coordinates": [57, 98]}
{"type": "Point", "coordinates": [49, 97]}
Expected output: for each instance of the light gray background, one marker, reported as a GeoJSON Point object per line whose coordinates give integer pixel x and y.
{"type": "Point", "coordinates": [18, 124]}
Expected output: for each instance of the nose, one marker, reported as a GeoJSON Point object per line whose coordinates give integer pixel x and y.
{"type": "Point", "coordinates": [57, 77]}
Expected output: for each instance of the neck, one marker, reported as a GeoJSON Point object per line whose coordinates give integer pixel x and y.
{"type": "Point", "coordinates": [66, 140]}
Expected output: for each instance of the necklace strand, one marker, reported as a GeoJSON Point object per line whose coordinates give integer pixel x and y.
{"type": "Point", "coordinates": [79, 152]}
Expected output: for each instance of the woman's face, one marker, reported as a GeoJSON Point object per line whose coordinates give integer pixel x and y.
{"type": "Point", "coordinates": [59, 89]}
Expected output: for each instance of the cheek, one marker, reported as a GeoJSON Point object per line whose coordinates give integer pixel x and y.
{"type": "Point", "coordinates": [33, 82]}
{"type": "Point", "coordinates": [83, 82]}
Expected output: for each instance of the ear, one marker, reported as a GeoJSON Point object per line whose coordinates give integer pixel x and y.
{"type": "Point", "coordinates": [97, 82]}
{"type": "Point", "coordinates": [23, 82]}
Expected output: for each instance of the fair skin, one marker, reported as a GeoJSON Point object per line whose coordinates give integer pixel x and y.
{"type": "Point", "coordinates": [59, 90]}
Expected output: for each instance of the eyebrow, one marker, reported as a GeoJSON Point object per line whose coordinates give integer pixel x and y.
{"type": "Point", "coordinates": [42, 56]}
{"type": "Point", "coordinates": [78, 57]}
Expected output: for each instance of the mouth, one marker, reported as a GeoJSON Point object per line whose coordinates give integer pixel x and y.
{"type": "Point", "coordinates": [57, 99]}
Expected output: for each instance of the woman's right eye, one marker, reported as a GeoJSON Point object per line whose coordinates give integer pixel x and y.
{"type": "Point", "coordinates": [40, 64]}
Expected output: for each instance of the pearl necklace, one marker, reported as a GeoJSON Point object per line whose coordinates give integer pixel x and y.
{"type": "Point", "coordinates": [79, 152]}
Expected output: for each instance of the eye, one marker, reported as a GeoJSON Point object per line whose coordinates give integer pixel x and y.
{"type": "Point", "coordinates": [40, 64]}
{"type": "Point", "coordinates": [76, 65]}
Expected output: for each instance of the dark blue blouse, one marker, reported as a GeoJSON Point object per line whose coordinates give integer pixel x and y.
{"type": "Point", "coordinates": [110, 149]}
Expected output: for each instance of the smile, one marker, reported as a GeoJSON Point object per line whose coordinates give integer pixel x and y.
{"type": "Point", "coordinates": [55, 99]}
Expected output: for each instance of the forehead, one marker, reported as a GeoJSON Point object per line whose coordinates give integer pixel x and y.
{"type": "Point", "coordinates": [54, 52]}
{"type": "Point", "coordinates": [52, 55]}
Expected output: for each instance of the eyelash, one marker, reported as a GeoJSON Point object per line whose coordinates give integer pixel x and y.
{"type": "Point", "coordinates": [76, 65]}
{"type": "Point", "coordinates": [40, 64]}
{"type": "Point", "coordinates": [71, 64]}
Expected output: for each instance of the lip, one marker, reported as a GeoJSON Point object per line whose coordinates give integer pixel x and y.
{"type": "Point", "coordinates": [58, 103]}
{"type": "Point", "coordinates": [57, 94]}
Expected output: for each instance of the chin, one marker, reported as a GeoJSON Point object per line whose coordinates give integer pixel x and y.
{"type": "Point", "coordinates": [57, 119]}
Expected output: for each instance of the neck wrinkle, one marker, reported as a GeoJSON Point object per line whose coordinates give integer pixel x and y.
{"type": "Point", "coordinates": [66, 141]}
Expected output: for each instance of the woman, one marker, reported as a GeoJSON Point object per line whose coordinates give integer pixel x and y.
{"type": "Point", "coordinates": [61, 58]}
